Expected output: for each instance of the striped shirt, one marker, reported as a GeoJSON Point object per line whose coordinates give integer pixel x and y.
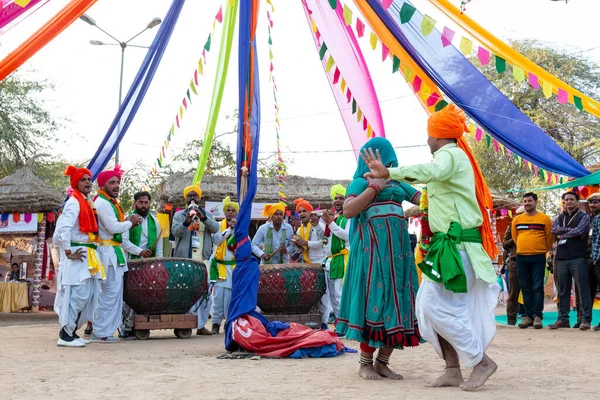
{"type": "Point", "coordinates": [596, 238]}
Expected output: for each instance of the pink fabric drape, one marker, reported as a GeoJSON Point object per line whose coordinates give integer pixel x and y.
{"type": "Point", "coordinates": [343, 47]}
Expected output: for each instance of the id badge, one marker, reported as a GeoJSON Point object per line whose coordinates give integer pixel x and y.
{"type": "Point", "coordinates": [562, 241]}
{"type": "Point", "coordinates": [195, 242]}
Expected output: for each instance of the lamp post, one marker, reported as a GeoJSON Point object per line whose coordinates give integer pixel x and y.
{"type": "Point", "coordinates": [89, 20]}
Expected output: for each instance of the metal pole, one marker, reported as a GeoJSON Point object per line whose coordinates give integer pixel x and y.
{"type": "Point", "coordinates": [123, 45]}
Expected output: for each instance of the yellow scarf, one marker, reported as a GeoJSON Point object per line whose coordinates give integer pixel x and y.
{"type": "Point", "coordinates": [304, 233]}
{"type": "Point", "coordinates": [220, 253]}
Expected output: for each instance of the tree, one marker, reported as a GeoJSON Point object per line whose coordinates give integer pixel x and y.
{"type": "Point", "coordinates": [25, 124]}
{"type": "Point", "coordinates": [573, 130]}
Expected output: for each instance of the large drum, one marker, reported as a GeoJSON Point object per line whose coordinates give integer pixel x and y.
{"type": "Point", "coordinates": [164, 285]}
{"type": "Point", "coordinates": [290, 288]}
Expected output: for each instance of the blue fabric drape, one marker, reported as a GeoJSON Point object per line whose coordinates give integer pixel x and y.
{"type": "Point", "coordinates": [137, 91]}
{"type": "Point", "coordinates": [246, 273]}
{"type": "Point", "coordinates": [462, 82]}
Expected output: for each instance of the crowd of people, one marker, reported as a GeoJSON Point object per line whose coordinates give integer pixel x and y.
{"type": "Point", "coordinates": [372, 288]}
{"type": "Point", "coordinates": [568, 246]}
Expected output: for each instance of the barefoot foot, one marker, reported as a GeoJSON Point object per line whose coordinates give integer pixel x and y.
{"type": "Point", "coordinates": [367, 372]}
{"type": "Point", "coordinates": [385, 371]}
{"type": "Point", "coordinates": [451, 378]}
{"type": "Point", "coordinates": [480, 374]}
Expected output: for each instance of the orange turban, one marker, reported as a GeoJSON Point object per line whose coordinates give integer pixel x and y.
{"type": "Point", "coordinates": [451, 123]}
{"type": "Point", "coordinates": [304, 204]}
{"type": "Point", "coordinates": [75, 174]}
{"type": "Point", "coordinates": [270, 209]}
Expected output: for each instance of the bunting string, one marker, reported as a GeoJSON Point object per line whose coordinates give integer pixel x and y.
{"type": "Point", "coordinates": [281, 167]}
{"type": "Point", "coordinates": [182, 109]}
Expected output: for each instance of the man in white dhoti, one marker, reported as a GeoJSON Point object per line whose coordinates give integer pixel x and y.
{"type": "Point", "coordinates": [111, 227]}
{"type": "Point", "coordinates": [142, 241]}
{"type": "Point", "coordinates": [222, 264]}
{"type": "Point", "coordinates": [456, 300]}
{"type": "Point", "coordinates": [80, 268]}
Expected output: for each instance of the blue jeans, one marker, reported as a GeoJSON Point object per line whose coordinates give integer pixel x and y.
{"type": "Point", "coordinates": [566, 271]}
{"type": "Point", "coordinates": [531, 270]}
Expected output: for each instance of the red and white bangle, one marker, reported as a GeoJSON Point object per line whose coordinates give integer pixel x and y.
{"type": "Point", "coordinates": [375, 187]}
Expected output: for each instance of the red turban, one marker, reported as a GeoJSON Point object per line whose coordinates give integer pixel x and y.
{"type": "Point", "coordinates": [105, 176]}
{"type": "Point", "coordinates": [87, 217]}
{"type": "Point", "coordinates": [304, 204]}
{"type": "Point", "coordinates": [75, 175]}
{"type": "Point", "coordinates": [451, 123]}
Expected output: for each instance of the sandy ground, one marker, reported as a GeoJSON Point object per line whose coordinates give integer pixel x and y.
{"type": "Point", "coordinates": [532, 364]}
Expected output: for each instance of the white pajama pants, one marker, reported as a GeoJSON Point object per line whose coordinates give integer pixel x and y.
{"type": "Point", "coordinates": [74, 304]}
{"type": "Point", "coordinates": [202, 308]}
{"type": "Point", "coordinates": [221, 297]}
{"type": "Point", "coordinates": [109, 310]}
{"type": "Point", "coordinates": [465, 320]}
{"type": "Point", "coordinates": [325, 303]}
{"type": "Point", "coordinates": [334, 286]}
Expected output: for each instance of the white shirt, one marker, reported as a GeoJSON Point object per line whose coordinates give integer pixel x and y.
{"type": "Point", "coordinates": [316, 254]}
{"type": "Point", "coordinates": [108, 226]}
{"type": "Point", "coordinates": [71, 272]}
{"type": "Point", "coordinates": [342, 233]}
{"type": "Point", "coordinates": [131, 248]}
{"type": "Point", "coordinates": [261, 236]}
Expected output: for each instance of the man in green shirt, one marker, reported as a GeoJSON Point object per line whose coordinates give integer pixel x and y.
{"type": "Point", "coordinates": [456, 300]}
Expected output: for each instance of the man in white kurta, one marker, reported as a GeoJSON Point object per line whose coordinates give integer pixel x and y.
{"type": "Point", "coordinates": [309, 243]}
{"type": "Point", "coordinates": [140, 245]}
{"type": "Point", "coordinates": [272, 243]}
{"type": "Point", "coordinates": [337, 233]}
{"type": "Point", "coordinates": [108, 313]}
{"type": "Point", "coordinates": [455, 312]}
{"type": "Point", "coordinates": [78, 274]}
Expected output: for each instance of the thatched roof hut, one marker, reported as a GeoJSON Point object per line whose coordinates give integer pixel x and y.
{"type": "Point", "coordinates": [500, 201]}
{"type": "Point", "coordinates": [23, 192]}
{"type": "Point", "coordinates": [216, 188]}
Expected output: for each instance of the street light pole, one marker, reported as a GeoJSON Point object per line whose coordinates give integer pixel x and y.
{"type": "Point", "coordinates": [89, 20]}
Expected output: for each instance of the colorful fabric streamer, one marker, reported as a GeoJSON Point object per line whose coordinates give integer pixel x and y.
{"type": "Point", "coordinates": [137, 91]}
{"type": "Point", "coordinates": [356, 94]}
{"type": "Point", "coordinates": [515, 58]}
{"type": "Point", "coordinates": [12, 10]}
{"type": "Point", "coordinates": [470, 90]}
{"type": "Point", "coordinates": [246, 274]}
{"type": "Point", "coordinates": [65, 17]}
{"type": "Point", "coordinates": [219, 87]}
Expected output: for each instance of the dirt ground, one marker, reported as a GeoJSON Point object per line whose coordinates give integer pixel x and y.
{"type": "Point", "coordinates": [532, 364]}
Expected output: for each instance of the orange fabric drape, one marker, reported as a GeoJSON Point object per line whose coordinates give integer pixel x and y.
{"type": "Point", "coordinates": [43, 36]}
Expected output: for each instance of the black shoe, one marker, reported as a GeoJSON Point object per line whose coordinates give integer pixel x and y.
{"type": "Point", "coordinates": [88, 332]}
{"type": "Point", "coordinates": [75, 335]}
{"type": "Point", "coordinates": [215, 329]}
{"type": "Point", "coordinates": [512, 322]}
{"type": "Point", "coordinates": [577, 325]}
{"type": "Point", "coordinates": [63, 335]}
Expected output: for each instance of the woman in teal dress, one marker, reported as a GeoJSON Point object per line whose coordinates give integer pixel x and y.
{"type": "Point", "coordinates": [377, 307]}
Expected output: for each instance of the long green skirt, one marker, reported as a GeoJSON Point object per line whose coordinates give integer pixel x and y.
{"type": "Point", "coordinates": [378, 299]}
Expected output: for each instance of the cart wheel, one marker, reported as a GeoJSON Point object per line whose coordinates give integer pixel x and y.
{"type": "Point", "coordinates": [142, 334]}
{"type": "Point", "coordinates": [183, 333]}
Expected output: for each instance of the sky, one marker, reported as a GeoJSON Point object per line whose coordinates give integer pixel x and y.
{"type": "Point", "coordinates": [313, 136]}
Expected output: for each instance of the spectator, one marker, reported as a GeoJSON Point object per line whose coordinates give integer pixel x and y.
{"type": "Point", "coordinates": [572, 228]}
{"type": "Point", "coordinates": [594, 201]}
{"type": "Point", "coordinates": [531, 233]}
{"type": "Point", "coordinates": [510, 248]}
{"type": "Point", "coordinates": [14, 274]}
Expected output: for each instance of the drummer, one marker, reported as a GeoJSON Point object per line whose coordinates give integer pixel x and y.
{"type": "Point", "coordinates": [193, 228]}
{"type": "Point", "coordinates": [141, 241]}
{"type": "Point", "coordinates": [222, 264]}
{"type": "Point", "coordinates": [309, 245]}
{"type": "Point", "coordinates": [272, 243]}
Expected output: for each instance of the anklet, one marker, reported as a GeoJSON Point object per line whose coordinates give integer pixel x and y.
{"type": "Point", "coordinates": [381, 359]}
{"type": "Point", "coordinates": [365, 360]}
{"type": "Point", "coordinates": [457, 366]}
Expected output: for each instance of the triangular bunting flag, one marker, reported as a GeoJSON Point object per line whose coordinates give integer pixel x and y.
{"type": "Point", "coordinates": [578, 103]}
{"type": "Point", "coordinates": [484, 56]}
{"type": "Point", "coordinates": [359, 115]}
{"type": "Point", "coordinates": [360, 28]}
{"type": "Point", "coordinates": [547, 89]}
{"type": "Point", "coordinates": [193, 87]}
{"type": "Point", "coordinates": [207, 44]}
{"type": "Point", "coordinates": [373, 40]}
{"type": "Point", "coordinates": [333, 4]}
{"type": "Point", "coordinates": [385, 52]}
{"type": "Point", "coordinates": [488, 140]}
{"type": "Point", "coordinates": [500, 64]}
{"type": "Point", "coordinates": [533, 80]}
{"type": "Point", "coordinates": [322, 51]}
{"type": "Point", "coordinates": [440, 105]}
{"type": "Point", "coordinates": [447, 35]}
{"type": "Point", "coordinates": [353, 106]}
{"type": "Point", "coordinates": [466, 46]}
{"type": "Point", "coordinates": [518, 73]}
{"type": "Point", "coordinates": [336, 76]}
{"type": "Point", "coordinates": [395, 65]}
{"type": "Point", "coordinates": [330, 64]}
{"type": "Point", "coordinates": [219, 16]}
{"type": "Point", "coordinates": [562, 96]}
{"type": "Point", "coordinates": [406, 13]}
{"type": "Point", "coordinates": [427, 25]}
{"type": "Point", "coordinates": [347, 15]}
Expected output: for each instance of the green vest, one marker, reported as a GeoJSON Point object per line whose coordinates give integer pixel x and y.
{"type": "Point", "coordinates": [135, 235]}
{"type": "Point", "coordinates": [337, 266]}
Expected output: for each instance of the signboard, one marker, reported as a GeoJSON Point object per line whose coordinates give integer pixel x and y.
{"type": "Point", "coordinates": [18, 223]}
{"type": "Point", "coordinates": [216, 208]}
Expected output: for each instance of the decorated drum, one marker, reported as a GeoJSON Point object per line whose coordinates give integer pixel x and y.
{"type": "Point", "coordinates": [164, 285]}
{"type": "Point", "coordinates": [290, 288]}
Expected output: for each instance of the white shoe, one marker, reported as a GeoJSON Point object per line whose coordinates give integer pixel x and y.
{"type": "Point", "coordinates": [82, 340]}
{"type": "Point", "coordinates": [73, 343]}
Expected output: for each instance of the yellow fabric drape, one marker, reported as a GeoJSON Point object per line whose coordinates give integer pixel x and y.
{"type": "Point", "coordinates": [220, 253]}
{"type": "Point", "coordinates": [94, 263]}
{"type": "Point", "coordinates": [511, 56]}
{"type": "Point", "coordinates": [304, 233]}
{"type": "Point", "coordinates": [13, 296]}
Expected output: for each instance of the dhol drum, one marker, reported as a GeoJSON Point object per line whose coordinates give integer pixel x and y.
{"type": "Point", "coordinates": [290, 288]}
{"type": "Point", "coordinates": [155, 286]}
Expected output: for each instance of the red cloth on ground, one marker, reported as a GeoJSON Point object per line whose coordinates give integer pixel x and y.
{"type": "Point", "coordinates": [252, 335]}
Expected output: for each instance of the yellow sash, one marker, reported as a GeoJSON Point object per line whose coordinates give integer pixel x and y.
{"type": "Point", "coordinates": [304, 233]}
{"type": "Point", "coordinates": [94, 263]}
{"type": "Point", "coordinates": [345, 253]}
{"type": "Point", "coordinates": [220, 253]}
